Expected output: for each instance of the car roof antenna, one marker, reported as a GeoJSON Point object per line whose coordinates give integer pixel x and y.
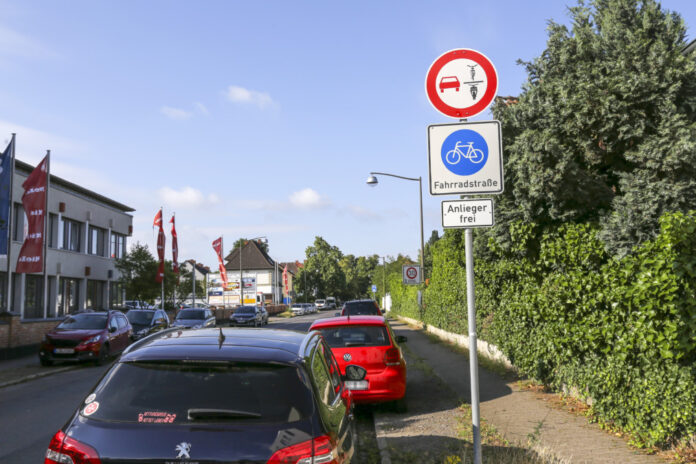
{"type": "Point", "coordinates": [221, 338]}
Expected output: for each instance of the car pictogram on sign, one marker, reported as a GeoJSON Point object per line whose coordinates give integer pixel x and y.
{"type": "Point", "coordinates": [449, 82]}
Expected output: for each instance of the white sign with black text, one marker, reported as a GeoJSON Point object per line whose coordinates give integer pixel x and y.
{"type": "Point", "coordinates": [463, 214]}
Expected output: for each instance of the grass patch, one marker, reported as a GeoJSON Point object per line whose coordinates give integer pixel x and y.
{"type": "Point", "coordinates": [286, 314]}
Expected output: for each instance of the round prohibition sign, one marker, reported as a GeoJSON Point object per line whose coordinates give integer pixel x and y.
{"type": "Point", "coordinates": [454, 76]}
{"type": "Point", "coordinates": [411, 272]}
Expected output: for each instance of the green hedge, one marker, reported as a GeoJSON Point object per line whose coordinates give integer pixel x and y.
{"type": "Point", "coordinates": [621, 331]}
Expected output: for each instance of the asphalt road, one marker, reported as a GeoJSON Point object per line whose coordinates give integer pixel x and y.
{"type": "Point", "coordinates": [32, 412]}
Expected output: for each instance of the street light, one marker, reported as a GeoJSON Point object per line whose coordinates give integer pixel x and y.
{"type": "Point", "coordinates": [241, 282]}
{"type": "Point", "coordinates": [372, 182]}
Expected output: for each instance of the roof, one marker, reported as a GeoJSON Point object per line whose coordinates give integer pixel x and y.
{"type": "Point", "coordinates": [292, 267]}
{"type": "Point", "coordinates": [27, 168]}
{"type": "Point", "coordinates": [253, 257]}
{"type": "Point", "coordinates": [200, 267]}
{"type": "Point", "coordinates": [348, 320]}
{"type": "Point", "coordinates": [690, 47]}
{"type": "Point", "coordinates": [250, 345]}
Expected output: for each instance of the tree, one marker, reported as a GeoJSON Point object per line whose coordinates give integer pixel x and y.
{"type": "Point", "coordinates": [322, 274]}
{"type": "Point", "coordinates": [243, 241]}
{"type": "Point", "coordinates": [185, 287]}
{"type": "Point", "coordinates": [358, 272]}
{"type": "Point", "coordinates": [604, 128]}
{"type": "Point", "coordinates": [138, 269]}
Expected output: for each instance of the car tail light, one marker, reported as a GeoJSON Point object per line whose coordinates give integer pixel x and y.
{"type": "Point", "coordinates": [392, 357]}
{"type": "Point", "coordinates": [324, 453]}
{"type": "Point", "coordinates": [65, 450]}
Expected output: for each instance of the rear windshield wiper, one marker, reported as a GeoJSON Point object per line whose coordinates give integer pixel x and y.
{"type": "Point", "coordinates": [203, 413]}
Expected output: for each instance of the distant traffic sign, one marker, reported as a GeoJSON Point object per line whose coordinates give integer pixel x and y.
{"type": "Point", "coordinates": [461, 83]}
{"type": "Point", "coordinates": [465, 158]}
{"type": "Point", "coordinates": [411, 274]}
{"type": "Point", "coordinates": [463, 214]}
{"type": "Point", "coordinates": [374, 288]}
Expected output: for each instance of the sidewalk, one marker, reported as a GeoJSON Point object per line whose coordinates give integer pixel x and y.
{"type": "Point", "coordinates": [519, 415]}
{"type": "Point", "coordinates": [13, 371]}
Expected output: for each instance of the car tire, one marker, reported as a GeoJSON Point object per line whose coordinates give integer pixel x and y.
{"type": "Point", "coordinates": [45, 362]}
{"type": "Point", "coordinates": [103, 355]}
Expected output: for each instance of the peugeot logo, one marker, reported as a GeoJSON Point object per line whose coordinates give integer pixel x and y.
{"type": "Point", "coordinates": [183, 448]}
{"type": "Point", "coordinates": [347, 357]}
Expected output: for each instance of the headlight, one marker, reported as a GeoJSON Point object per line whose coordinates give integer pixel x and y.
{"type": "Point", "coordinates": [94, 339]}
{"type": "Point", "coordinates": [198, 326]}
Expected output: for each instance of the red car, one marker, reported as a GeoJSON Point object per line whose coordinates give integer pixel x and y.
{"type": "Point", "coordinates": [368, 356]}
{"type": "Point", "coordinates": [86, 336]}
{"type": "Point", "coordinates": [449, 82]}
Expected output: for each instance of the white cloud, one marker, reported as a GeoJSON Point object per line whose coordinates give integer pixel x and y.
{"type": "Point", "coordinates": [201, 108]}
{"type": "Point", "coordinates": [175, 113]}
{"type": "Point", "coordinates": [187, 197]}
{"type": "Point", "coordinates": [362, 213]}
{"type": "Point", "coordinates": [307, 199]}
{"type": "Point", "coordinates": [13, 43]}
{"type": "Point", "coordinates": [238, 94]}
{"type": "Point", "coordinates": [33, 143]}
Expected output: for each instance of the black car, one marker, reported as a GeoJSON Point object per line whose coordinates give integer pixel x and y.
{"type": "Point", "coordinates": [147, 321]}
{"type": "Point", "coordinates": [215, 395]}
{"type": "Point", "coordinates": [360, 308]}
{"type": "Point", "coordinates": [194, 318]}
{"type": "Point", "coordinates": [254, 316]}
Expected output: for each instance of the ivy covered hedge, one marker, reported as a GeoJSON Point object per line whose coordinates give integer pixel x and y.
{"type": "Point", "coordinates": [623, 331]}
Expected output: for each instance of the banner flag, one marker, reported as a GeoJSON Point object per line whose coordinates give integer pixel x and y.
{"type": "Point", "coordinates": [175, 252]}
{"type": "Point", "coordinates": [6, 170]}
{"type": "Point", "coordinates": [30, 257]}
{"type": "Point", "coordinates": [285, 278]}
{"type": "Point", "coordinates": [161, 241]}
{"type": "Point", "coordinates": [217, 246]}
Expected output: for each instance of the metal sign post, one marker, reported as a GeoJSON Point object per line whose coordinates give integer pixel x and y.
{"type": "Point", "coordinates": [473, 351]}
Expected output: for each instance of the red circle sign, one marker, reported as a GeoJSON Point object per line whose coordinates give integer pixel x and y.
{"type": "Point", "coordinates": [461, 83]}
{"type": "Point", "coordinates": [411, 272]}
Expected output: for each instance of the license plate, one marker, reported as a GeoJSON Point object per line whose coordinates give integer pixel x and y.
{"type": "Point", "coordinates": [64, 351]}
{"type": "Point", "coordinates": [356, 384]}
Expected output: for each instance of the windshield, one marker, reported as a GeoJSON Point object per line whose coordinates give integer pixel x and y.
{"type": "Point", "coordinates": [319, 302]}
{"type": "Point", "coordinates": [245, 310]}
{"type": "Point", "coordinates": [356, 335]}
{"type": "Point", "coordinates": [364, 308]}
{"type": "Point", "coordinates": [84, 321]}
{"type": "Point", "coordinates": [141, 392]}
{"type": "Point", "coordinates": [140, 317]}
{"type": "Point", "coordinates": [191, 314]}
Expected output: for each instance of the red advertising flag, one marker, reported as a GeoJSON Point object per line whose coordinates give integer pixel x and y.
{"type": "Point", "coordinates": [161, 241]}
{"type": "Point", "coordinates": [285, 278]}
{"type": "Point", "coordinates": [217, 246]}
{"type": "Point", "coordinates": [175, 251]}
{"type": "Point", "coordinates": [30, 258]}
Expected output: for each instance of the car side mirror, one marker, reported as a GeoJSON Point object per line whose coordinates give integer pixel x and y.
{"type": "Point", "coordinates": [401, 339]}
{"type": "Point", "coordinates": [112, 329]}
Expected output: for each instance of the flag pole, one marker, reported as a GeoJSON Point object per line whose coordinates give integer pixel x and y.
{"type": "Point", "coordinates": [45, 234]}
{"type": "Point", "coordinates": [161, 228]}
{"type": "Point", "coordinates": [8, 293]}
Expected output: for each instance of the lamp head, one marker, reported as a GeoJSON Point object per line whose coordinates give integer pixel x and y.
{"type": "Point", "coordinates": [372, 181]}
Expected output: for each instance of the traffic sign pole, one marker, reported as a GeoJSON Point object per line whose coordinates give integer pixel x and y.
{"type": "Point", "coordinates": [473, 352]}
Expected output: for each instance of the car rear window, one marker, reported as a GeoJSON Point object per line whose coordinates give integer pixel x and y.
{"type": "Point", "coordinates": [245, 310]}
{"type": "Point", "coordinates": [356, 335]}
{"type": "Point", "coordinates": [191, 314]}
{"type": "Point", "coordinates": [144, 392]}
{"type": "Point", "coordinates": [84, 321]}
{"type": "Point", "coordinates": [361, 308]}
{"type": "Point", "coordinates": [140, 317]}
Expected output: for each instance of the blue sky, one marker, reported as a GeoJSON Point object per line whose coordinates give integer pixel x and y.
{"type": "Point", "coordinates": [252, 118]}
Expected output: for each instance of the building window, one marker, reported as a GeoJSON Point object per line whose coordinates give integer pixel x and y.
{"type": "Point", "coordinates": [115, 295]}
{"type": "Point", "coordinates": [72, 233]}
{"type": "Point", "coordinates": [97, 236]}
{"type": "Point", "coordinates": [33, 297]}
{"type": "Point", "coordinates": [118, 245]}
{"type": "Point", "coordinates": [68, 296]}
{"type": "Point", "coordinates": [95, 294]}
{"type": "Point", "coordinates": [52, 230]}
{"type": "Point", "coordinates": [20, 220]}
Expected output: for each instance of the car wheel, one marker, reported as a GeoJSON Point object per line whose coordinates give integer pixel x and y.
{"type": "Point", "coordinates": [45, 362]}
{"type": "Point", "coordinates": [102, 355]}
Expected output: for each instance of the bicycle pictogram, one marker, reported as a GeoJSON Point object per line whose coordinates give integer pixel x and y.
{"type": "Point", "coordinates": [455, 155]}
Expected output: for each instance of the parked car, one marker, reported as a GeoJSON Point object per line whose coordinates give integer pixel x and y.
{"type": "Point", "coordinates": [320, 304]}
{"type": "Point", "coordinates": [88, 336]}
{"type": "Point", "coordinates": [310, 308]}
{"type": "Point", "coordinates": [331, 302]}
{"type": "Point", "coordinates": [215, 395]}
{"type": "Point", "coordinates": [136, 304]}
{"type": "Point", "coordinates": [360, 308]}
{"type": "Point", "coordinates": [298, 309]}
{"type": "Point", "coordinates": [255, 316]}
{"type": "Point", "coordinates": [147, 321]}
{"type": "Point", "coordinates": [194, 318]}
{"type": "Point", "coordinates": [368, 355]}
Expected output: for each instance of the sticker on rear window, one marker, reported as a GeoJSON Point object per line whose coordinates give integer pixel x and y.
{"type": "Point", "coordinates": [156, 417]}
{"type": "Point", "coordinates": [91, 408]}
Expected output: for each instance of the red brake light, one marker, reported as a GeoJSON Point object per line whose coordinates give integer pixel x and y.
{"type": "Point", "coordinates": [301, 453]}
{"type": "Point", "coordinates": [392, 357]}
{"type": "Point", "coordinates": [65, 450]}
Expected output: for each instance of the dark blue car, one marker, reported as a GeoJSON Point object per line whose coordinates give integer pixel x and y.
{"type": "Point", "coordinates": [194, 318]}
{"type": "Point", "coordinates": [213, 396]}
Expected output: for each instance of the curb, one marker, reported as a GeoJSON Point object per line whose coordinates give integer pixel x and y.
{"type": "Point", "coordinates": [36, 376]}
{"type": "Point", "coordinates": [381, 440]}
